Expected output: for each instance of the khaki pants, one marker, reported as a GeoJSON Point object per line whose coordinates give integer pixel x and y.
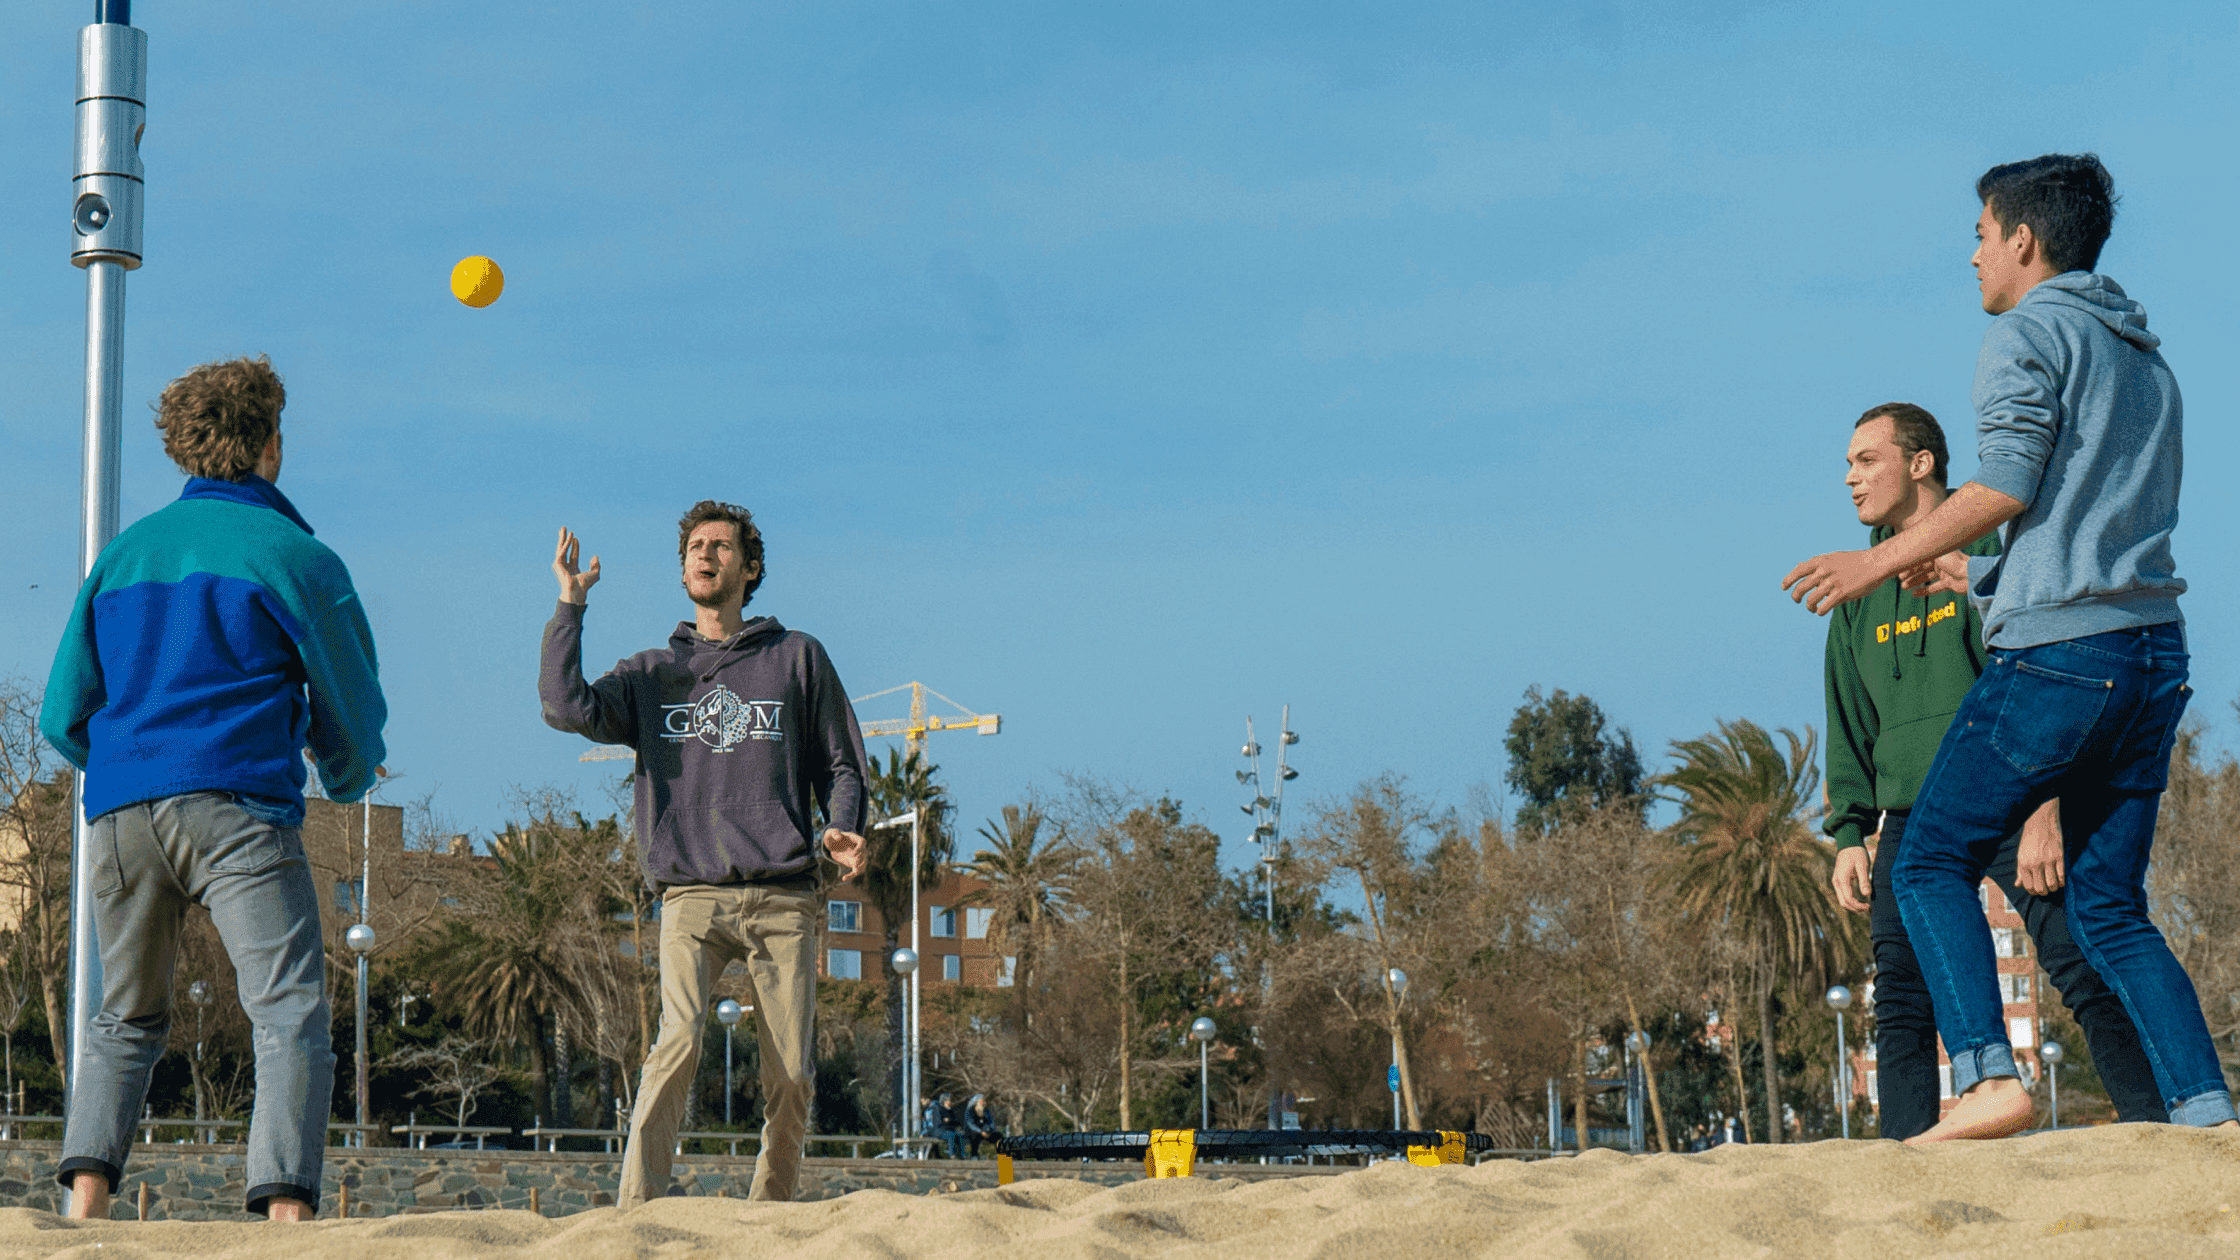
{"type": "Point", "coordinates": [774, 929]}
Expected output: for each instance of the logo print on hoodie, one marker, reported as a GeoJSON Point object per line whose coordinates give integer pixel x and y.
{"type": "Point", "coordinates": [721, 720]}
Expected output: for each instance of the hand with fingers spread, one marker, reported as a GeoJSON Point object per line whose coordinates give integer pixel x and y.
{"type": "Point", "coordinates": [575, 587]}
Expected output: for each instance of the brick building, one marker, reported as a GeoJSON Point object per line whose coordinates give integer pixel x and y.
{"type": "Point", "coordinates": [952, 938]}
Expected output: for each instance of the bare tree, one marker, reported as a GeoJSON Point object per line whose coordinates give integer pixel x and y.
{"type": "Point", "coordinates": [35, 825]}
{"type": "Point", "coordinates": [457, 1068]}
{"type": "Point", "coordinates": [2190, 885]}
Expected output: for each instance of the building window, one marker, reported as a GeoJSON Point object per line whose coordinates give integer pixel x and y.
{"type": "Point", "coordinates": [1004, 978]}
{"type": "Point", "coordinates": [945, 921]}
{"type": "Point", "coordinates": [843, 916]}
{"type": "Point", "coordinates": [2014, 988]}
{"type": "Point", "coordinates": [952, 967]}
{"type": "Point", "coordinates": [346, 898]}
{"type": "Point", "coordinates": [1944, 1080]}
{"type": "Point", "coordinates": [2021, 1035]}
{"type": "Point", "coordinates": [976, 923]}
{"type": "Point", "coordinates": [844, 964]}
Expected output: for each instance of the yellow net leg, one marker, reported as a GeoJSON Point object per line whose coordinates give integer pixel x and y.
{"type": "Point", "coordinates": [1003, 1170]}
{"type": "Point", "coordinates": [1171, 1154]}
{"type": "Point", "coordinates": [1450, 1150]}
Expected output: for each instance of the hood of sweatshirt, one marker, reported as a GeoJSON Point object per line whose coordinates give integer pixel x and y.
{"type": "Point", "coordinates": [705, 656]}
{"type": "Point", "coordinates": [2101, 298]}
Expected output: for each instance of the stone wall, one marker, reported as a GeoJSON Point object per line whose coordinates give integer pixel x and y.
{"type": "Point", "coordinates": [197, 1183]}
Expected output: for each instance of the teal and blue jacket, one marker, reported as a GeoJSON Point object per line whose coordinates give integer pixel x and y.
{"type": "Point", "coordinates": [215, 640]}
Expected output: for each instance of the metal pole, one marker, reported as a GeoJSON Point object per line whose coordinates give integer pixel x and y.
{"type": "Point", "coordinates": [1205, 1108]}
{"type": "Point", "coordinates": [916, 1070]}
{"type": "Point", "coordinates": [359, 1065]}
{"type": "Point", "coordinates": [727, 1077]}
{"type": "Point", "coordinates": [1843, 1077]}
{"type": "Point", "coordinates": [105, 225]}
{"type": "Point", "coordinates": [1396, 1080]}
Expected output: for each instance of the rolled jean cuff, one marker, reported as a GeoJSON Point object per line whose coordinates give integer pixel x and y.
{"type": "Point", "coordinates": [261, 1197]}
{"type": "Point", "coordinates": [71, 1167]}
{"type": "Point", "coordinates": [1971, 1067]}
{"type": "Point", "coordinates": [2209, 1107]}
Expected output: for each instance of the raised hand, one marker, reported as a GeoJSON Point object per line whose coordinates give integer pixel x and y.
{"type": "Point", "coordinates": [575, 588]}
{"type": "Point", "coordinates": [1948, 572]}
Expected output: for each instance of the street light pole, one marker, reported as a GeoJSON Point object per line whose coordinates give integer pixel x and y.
{"type": "Point", "coordinates": [727, 1014]}
{"type": "Point", "coordinates": [2051, 1053]}
{"type": "Point", "coordinates": [106, 190]}
{"type": "Point", "coordinates": [1201, 1031]}
{"type": "Point", "coordinates": [905, 963]}
{"type": "Point", "coordinates": [1397, 980]}
{"type": "Point", "coordinates": [360, 939]}
{"type": "Point", "coordinates": [1266, 812]}
{"type": "Point", "coordinates": [1839, 1000]}
{"type": "Point", "coordinates": [199, 994]}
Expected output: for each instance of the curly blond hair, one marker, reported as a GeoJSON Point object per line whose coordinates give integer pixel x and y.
{"type": "Point", "coordinates": [218, 417]}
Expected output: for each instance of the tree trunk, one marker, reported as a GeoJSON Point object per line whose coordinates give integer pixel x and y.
{"type": "Point", "coordinates": [1741, 1095]}
{"type": "Point", "coordinates": [563, 1077]}
{"type": "Point", "coordinates": [638, 951]}
{"type": "Point", "coordinates": [540, 1064]}
{"type": "Point", "coordinates": [1127, 1061]}
{"type": "Point", "coordinates": [1656, 1103]}
{"type": "Point", "coordinates": [1766, 1053]}
{"type": "Point", "coordinates": [59, 1032]}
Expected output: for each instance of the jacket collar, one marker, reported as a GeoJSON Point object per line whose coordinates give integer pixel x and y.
{"type": "Point", "coordinates": [252, 490]}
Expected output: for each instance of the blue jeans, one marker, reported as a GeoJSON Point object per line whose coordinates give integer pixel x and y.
{"type": "Point", "coordinates": [2090, 721]}
{"type": "Point", "coordinates": [150, 860]}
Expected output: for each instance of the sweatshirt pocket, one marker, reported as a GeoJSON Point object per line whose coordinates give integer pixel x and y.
{"type": "Point", "coordinates": [727, 840]}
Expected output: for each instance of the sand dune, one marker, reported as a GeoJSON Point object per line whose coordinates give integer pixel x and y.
{"type": "Point", "coordinates": [2130, 1191]}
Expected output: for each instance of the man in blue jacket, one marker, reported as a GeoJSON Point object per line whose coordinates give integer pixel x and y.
{"type": "Point", "coordinates": [213, 641]}
{"type": "Point", "coordinates": [2079, 439]}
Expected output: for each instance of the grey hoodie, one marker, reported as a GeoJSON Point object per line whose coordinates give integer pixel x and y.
{"type": "Point", "coordinates": [2079, 418]}
{"type": "Point", "coordinates": [735, 743]}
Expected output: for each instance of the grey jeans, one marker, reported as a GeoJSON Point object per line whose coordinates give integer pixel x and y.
{"type": "Point", "coordinates": [150, 860]}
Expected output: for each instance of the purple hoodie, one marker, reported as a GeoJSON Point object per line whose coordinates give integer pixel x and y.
{"type": "Point", "coordinates": [734, 743]}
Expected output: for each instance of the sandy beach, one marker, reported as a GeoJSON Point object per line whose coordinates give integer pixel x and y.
{"type": "Point", "coordinates": [2125, 1191]}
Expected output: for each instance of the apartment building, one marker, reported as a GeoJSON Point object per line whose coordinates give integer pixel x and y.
{"type": "Point", "coordinates": [953, 943]}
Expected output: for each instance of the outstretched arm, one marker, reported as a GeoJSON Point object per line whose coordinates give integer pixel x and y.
{"type": "Point", "coordinates": [1839, 577]}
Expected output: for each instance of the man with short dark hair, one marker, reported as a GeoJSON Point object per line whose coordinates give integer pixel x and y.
{"type": "Point", "coordinates": [743, 734]}
{"type": "Point", "coordinates": [213, 640]}
{"type": "Point", "coordinates": [2079, 434]}
{"type": "Point", "coordinates": [1898, 667]}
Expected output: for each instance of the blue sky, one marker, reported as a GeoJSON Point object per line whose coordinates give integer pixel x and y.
{"type": "Point", "coordinates": [1121, 369]}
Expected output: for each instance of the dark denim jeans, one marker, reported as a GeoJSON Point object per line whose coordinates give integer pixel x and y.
{"type": "Point", "coordinates": [1905, 1023]}
{"type": "Point", "coordinates": [2092, 721]}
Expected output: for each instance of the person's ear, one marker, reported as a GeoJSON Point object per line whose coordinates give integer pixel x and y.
{"type": "Point", "coordinates": [1921, 465]}
{"type": "Point", "coordinates": [2024, 244]}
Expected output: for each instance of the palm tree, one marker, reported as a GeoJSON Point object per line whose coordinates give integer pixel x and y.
{"type": "Point", "coordinates": [1030, 885]}
{"type": "Point", "coordinates": [1750, 866]}
{"type": "Point", "coordinates": [904, 784]}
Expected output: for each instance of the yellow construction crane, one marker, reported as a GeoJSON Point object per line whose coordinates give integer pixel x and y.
{"type": "Point", "coordinates": [913, 729]}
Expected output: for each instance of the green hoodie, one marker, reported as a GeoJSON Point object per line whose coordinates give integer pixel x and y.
{"type": "Point", "coordinates": [1898, 666]}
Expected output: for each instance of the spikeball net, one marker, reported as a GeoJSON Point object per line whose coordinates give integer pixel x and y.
{"type": "Point", "coordinates": [1172, 1152]}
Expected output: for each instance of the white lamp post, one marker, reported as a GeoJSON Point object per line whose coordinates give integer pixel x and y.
{"type": "Point", "coordinates": [361, 941]}
{"type": "Point", "coordinates": [2050, 1054]}
{"type": "Point", "coordinates": [905, 963]}
{"type": "Point", "coordinates": [1201, 1031]}
{"type": "Point", "coordinates": [200, 994]}
{"type": "Point", "coordinates": [728, 1014]}
{"type": "Point", "coordinates": [909, 973]}
{"type": "Point", "coordinates": [1839, 1000]}
{"type": "Point", "coordinates": [1398, 979]}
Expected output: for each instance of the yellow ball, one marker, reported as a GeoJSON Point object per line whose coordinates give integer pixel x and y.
{"type": "Point", "coordinates": [477, 281]}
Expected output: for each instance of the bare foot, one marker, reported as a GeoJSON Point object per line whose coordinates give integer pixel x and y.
{"type": "Point", "coordinates": [1997, 1107]}
{"type": "Point", "coordinates": [280, 1209]}
{"type": "Point", "coordinates": [89, 1196]}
